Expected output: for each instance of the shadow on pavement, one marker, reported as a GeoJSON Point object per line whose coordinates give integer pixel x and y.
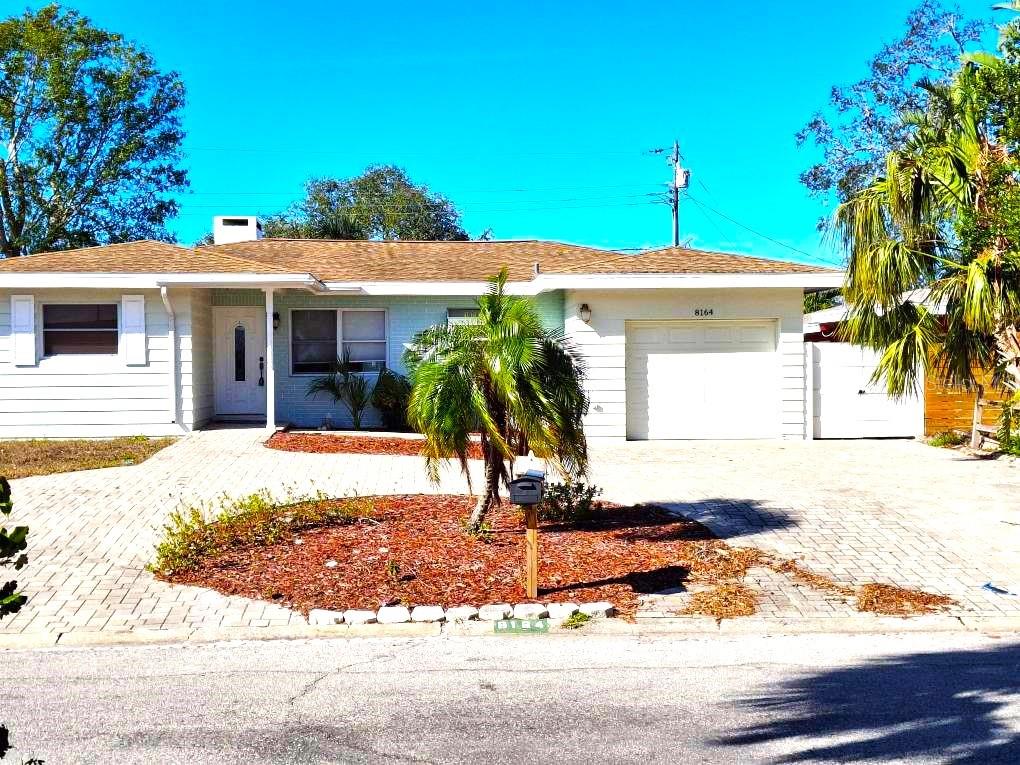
{"type": "Point", "coordinates": [730, 518]}
{"type": "Point", "coordinates": [950, 706]}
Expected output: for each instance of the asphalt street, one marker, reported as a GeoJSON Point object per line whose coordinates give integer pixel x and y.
{"type": "Point", "coordinates": [554, 698]}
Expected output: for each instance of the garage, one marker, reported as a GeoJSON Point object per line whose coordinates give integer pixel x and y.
{"type": "Point", "coordinates": [848, 404]}
{"type": "Point", "coordinates": [702, 379]}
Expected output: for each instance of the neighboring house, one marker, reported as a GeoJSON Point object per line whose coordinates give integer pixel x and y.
{"type": "Point", "coordinates": [152, 338]}
{"type": "Point", "coordinates": [847, 404]}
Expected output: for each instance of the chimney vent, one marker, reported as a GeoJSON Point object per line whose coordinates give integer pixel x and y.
{"type": "Point", "coordinates": [228, 229]}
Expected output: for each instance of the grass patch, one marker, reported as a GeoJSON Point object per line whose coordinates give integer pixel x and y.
{"type": "Point", "coordinates": [194, 534]}
{"type": "Point", "coordinates": [20, 459]}
{"type": "Point", "coordinates": [575, 621]}
{"type": "Point", "coordinates": [949, 439]}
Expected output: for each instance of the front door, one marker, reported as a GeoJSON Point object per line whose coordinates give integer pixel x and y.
{"type": "Point", "coordinates": [240, 348]}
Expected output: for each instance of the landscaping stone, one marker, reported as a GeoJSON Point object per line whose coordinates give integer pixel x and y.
{"type": "Point", "coordinates": [562, 610]}
{"type": "Point", "coordinates": [461, 613]}
{"type": "Point", "coordinates": [324, 616]}
{"type": "Point", "coordinates": [393, 615]}
{"type": "Point", "coordinates": [358, 616]}
{"type": "Point", "coordinates": [602, 608]}
{"type": "Point", "coordinates": [530, 611]}
{"type": "Point", "coordinates": [428, 614]}
{"type": "Point", "coordinates": [495, 612]}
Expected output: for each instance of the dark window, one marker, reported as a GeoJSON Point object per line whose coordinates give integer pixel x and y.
{"type": "Point", "coordinates": [239, 353]}
{"type": "Point", "coordinates": [79, 329]}
{"type": "Point", "coordinates": [461, 316]}
{"type": "Point", "coordinates": [313, 341]}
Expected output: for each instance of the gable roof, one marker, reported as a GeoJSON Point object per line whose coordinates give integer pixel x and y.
{"type": "Point", "coordinates": [336, 260]}
{"type": "Point", "coordinates": [146, 256]}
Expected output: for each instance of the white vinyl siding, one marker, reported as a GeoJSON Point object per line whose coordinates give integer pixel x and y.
{"type": "Point", "coordinates": [195, 357]}
{"type": "Point", "coordinates": [603, 343]}
{"type": "Point", "coordinates": [99, 395]}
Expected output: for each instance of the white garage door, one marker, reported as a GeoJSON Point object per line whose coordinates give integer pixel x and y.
{"type": "Point", "coordinates": [848, 405]}
{"type": "Point", "coordinates": [702, 379]}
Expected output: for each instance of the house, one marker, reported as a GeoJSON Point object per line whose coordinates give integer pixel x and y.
{"type": "Point", "coordinates": [151, 338]}
{"type": "Point", "coordinates": [847, 403]}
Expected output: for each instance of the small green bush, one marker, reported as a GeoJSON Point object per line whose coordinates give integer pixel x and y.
{"type": "Point", "coordinates": [1009, 424]}
{"type": "Point", "coordinates": [575, 621]}
{"type": "Point", "coordinates": [390, 398]}
{"type": "Point", "coordinates": [257, 519]}
{"type": "Point", "coordinates": [948, 439]}
{"type": "Point", "coordinates": [570, 502]}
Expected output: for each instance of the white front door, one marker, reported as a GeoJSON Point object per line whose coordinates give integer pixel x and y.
{"type": "Point", "coordinates": [239, 345]}
{"type": "Point", "coordinates": [702, 379]}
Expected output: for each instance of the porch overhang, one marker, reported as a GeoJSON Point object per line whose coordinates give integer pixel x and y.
{"type": "Point", "coordinates": [66, 280]}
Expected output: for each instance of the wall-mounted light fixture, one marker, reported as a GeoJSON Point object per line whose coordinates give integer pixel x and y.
{"type": "Point", "coordinates": [276, 320]}
{"type": "Point", "coordinates": [585, 313]}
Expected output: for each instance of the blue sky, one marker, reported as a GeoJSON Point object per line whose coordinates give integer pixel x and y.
{"type": "Point", "coordinates": [535, 119]}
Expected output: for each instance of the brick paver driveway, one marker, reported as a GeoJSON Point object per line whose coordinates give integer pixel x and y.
{"type": "Point", "coordinates": [859, 511]}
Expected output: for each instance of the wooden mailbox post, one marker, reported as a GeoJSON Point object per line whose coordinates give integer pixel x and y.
{"type": "Point", "coordinates": [527, 491]}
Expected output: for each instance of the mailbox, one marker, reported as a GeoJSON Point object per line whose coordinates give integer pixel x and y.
{"type": "Point", "coordinates": [528, 488]}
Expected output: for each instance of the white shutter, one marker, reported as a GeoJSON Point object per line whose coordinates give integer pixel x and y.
{"type": "Point", "coordinates": [23, 330]}
{"type": "Point", "coordinates": [132, 329]}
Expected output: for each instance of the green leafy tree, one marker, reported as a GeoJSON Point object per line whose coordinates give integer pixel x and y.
{"type": "Point", "coordinates": [816, 301]}
{"type": "Point", "coordinates": [381, 203]}
{"type": "Point", "coordinates": [861, 123]}
{"type": "Point", "coordinates": [945, 216]}
{"type": "Point", "coordinates": [505, 377]}
{"type": "Point", "coordinates": [91, 136]}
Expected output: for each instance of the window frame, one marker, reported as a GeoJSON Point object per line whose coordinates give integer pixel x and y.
{"type": "Point", "coordinates": [338, 316]}
{"type": "Point", "coordinates": [41, 330]}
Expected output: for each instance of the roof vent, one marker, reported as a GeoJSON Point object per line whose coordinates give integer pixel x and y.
{"type": "Point", "coordinates": [228, 229]}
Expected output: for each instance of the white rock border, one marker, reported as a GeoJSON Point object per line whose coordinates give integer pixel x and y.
{"type": "Point", "coordinates": [491, 612]}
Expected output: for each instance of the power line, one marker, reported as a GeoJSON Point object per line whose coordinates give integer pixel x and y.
{"type": "Point", "coordinates": [758, 233]}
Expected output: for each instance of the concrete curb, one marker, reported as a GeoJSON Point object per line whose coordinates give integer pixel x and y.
{"type": "Point", "coordinates": [651, 627]}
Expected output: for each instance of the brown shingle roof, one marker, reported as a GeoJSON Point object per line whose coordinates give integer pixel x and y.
{"type": "Point", "coordinates": [477, 260]}
{"type": "Point", "coordinates": [142, 257]}
{"type": "Point", "coordinates": [393, 261]}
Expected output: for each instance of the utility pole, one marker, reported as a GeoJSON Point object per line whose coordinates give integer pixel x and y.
{"type": "Point", "coordinates": [681, 179]}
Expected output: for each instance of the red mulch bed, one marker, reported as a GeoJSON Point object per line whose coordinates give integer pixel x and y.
{"type": "Point", "coordinates": [316, 443]}
{"type": "Point", "coordinates": [414, 551]}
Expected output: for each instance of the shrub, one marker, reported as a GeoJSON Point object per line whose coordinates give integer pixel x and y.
{"type": "Point", "coordinates": [253, 520]}
{"type": "Point", "coordinates": [570, 502]}
{"type": "Point", "coordinates": [1009, 423]}
{"type": "Point", "coordinates": [575, 621]}
{"type": "Point", "coordinates": [948, 439]}
{"type": "Point", "coordinates": [344, 384]}
{"type": "Point", "coordinates": [390, 397]}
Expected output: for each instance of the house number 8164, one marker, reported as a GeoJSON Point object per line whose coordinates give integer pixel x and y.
{"type": "Point", "coordinates": [703, 311]}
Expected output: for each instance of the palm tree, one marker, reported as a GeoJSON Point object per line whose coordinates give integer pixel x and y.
{"type": "Point", "coordinates": [506, 377]}
{"type": "Point", "coordinates": [344, 383]}
{"type": "Point", "coordinates": [942, 218]}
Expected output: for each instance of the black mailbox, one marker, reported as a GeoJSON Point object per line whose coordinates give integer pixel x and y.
{"type": "Point", "coordinates": [528, 488]}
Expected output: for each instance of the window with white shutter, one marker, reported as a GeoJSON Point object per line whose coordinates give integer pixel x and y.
{"type": "Point", "coordinates": [23, 330]}
{"type": "Point", "coordinates": [132, 333]}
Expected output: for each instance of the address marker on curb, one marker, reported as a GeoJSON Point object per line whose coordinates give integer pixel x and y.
{"type": "Point", "coordinates": [520, 626]}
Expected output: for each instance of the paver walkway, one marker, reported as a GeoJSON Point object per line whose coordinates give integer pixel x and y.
{"type": "Point", "coordinates": [859, 511]}
{"type": "Point", "coordinates": [892, 511]}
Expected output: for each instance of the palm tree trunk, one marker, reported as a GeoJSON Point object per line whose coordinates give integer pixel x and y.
{"type": "Point", "coordinates": [490, 496]}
